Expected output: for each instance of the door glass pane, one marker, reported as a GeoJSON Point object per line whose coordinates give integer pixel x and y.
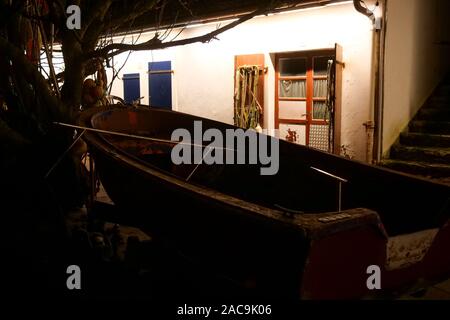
{"type": "Point", "coordinates": [290, 67]}
{"type": "Point", "coordinates": [321, 65]}
{"type": "Point", "coordinates": [295, 133]}
{"type": "Point", "coordinates": [292, 89]}
{"type": "Point", "coordinates": [318, 137]}
{"type": "Point", "coordinates": [320, 111]}
{"type": "Point", "coordinates": [320, 88]}
{"type": "Point", "coordinates": [294, 110]}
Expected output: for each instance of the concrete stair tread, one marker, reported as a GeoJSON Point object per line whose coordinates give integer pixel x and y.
{"type": "Point", "coordinates": [423, 139]}
{"type": "Point", "coordinates": [433, 114]}
{"type": "Point", "coordinates": [433, 127]}
{"type": "Point", "coordinates": [437, 106]}
{"type": "Point", "coordinates": [425, 169]}
{"type": "Point", "coordinates": [428, 165]}
{"type": "Point", "coordinates": [431, 135]}
{"type": "Point", "coordinates": [441, 99]}
{"type": "Point", "coordinates": [421, 154]}
{"type": "Point", "coordinates": [431, 122]}
{"type": "Point", "coordinates": [425, 149]}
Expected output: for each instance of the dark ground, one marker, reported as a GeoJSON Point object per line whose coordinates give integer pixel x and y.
{"type": "Point", "coordinates": [152, 270]}
{"type": "Point", "coordinates": [117, 262]}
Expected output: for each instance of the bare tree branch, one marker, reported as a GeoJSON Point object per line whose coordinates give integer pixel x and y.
{"type": "Point", "coordinates": [34, 77]}
{"type": "Point", "coordinates": [11, 136]}
{"type": "Point", "coordinates": [155, 43]}
{"type": "Point", "coordinates": [94, 12]}
{"type": "Point", "coordinates": [132, 13]}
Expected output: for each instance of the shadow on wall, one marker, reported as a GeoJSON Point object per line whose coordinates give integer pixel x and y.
{"type": "Point", "coordinates": [416, 61]}
{"type": "Point", "coordinates": [443, 8]}
{"type": "Point", "coordinates": [430, 61]}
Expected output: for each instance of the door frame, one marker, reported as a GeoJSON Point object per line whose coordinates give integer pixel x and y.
{"type": "Point", "coordinates": [309, 55]}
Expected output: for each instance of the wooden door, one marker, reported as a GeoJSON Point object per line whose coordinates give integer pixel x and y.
{"type": "Point", "coordinates": [305, 98]}
{"type": "Point", "coordinates": [160, 84]}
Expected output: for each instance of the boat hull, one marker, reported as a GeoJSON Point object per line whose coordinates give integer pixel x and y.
{"type": "Point", "coordinates": [314, 256]}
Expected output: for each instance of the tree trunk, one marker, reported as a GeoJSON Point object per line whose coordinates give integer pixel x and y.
{"type": "Point", "coordinates": [74, 73]}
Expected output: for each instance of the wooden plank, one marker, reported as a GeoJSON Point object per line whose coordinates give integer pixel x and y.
{"type": "Point", "coordinates": [338, 100]}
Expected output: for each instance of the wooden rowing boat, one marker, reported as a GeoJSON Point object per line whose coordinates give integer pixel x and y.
{"type": "Point", "coordinates": [279, 234]}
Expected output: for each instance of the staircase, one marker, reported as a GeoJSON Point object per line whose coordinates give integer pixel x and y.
{"type": "Point", "coordinates": [424, 148]}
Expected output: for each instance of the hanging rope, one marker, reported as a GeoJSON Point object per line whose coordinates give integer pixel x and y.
{"type": "Point", "coordinates": [247, 110]}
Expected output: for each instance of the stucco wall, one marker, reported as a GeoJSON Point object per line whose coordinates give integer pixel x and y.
{"type": "Point", "coordinates": [203, 78]}
{"type": "Point", "coordinates": [415, 61]}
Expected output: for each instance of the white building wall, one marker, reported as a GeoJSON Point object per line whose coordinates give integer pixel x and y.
{"type": "Point", "coordinates": [203, 81]}
{"type": "Point", "coordinates": [137, 62]}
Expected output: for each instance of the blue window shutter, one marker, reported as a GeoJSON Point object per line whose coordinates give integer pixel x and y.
{"type": "Point", "coordinates": [131, 87]}
{"type": "Point", "coordinates": [160, 85]}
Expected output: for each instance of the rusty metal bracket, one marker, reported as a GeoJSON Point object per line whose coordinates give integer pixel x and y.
{"type": "Point", "coordinates": [160, 71]}
{"type": "Point", "coordinates": [341, 63]}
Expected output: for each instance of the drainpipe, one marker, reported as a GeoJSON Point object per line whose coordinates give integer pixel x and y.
{"type": "Point", "coordinates": [375, 128]}
{"type": "Point", "coordinates": [361, 9]}
{"type": "Point", "coordinates": [380, 108]}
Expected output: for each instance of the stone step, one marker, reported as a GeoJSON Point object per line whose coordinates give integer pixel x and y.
{"type": "Point", "coordinates": [434, 114]}
{"type": "Point", "coordinates": [440, 99]}
{"type": "Point", "coordinates": [437, 105]}
{"type": "Point", "coordinates": [432, 127]}
{"type": "Point", "coordinates": [425, 140]}
{"type": "Point", "coordinates": [443, 90]}
{"type": "Point", "coordinates": [432, 170]}
{"type": "Point", "coordinates": [420, 154]}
